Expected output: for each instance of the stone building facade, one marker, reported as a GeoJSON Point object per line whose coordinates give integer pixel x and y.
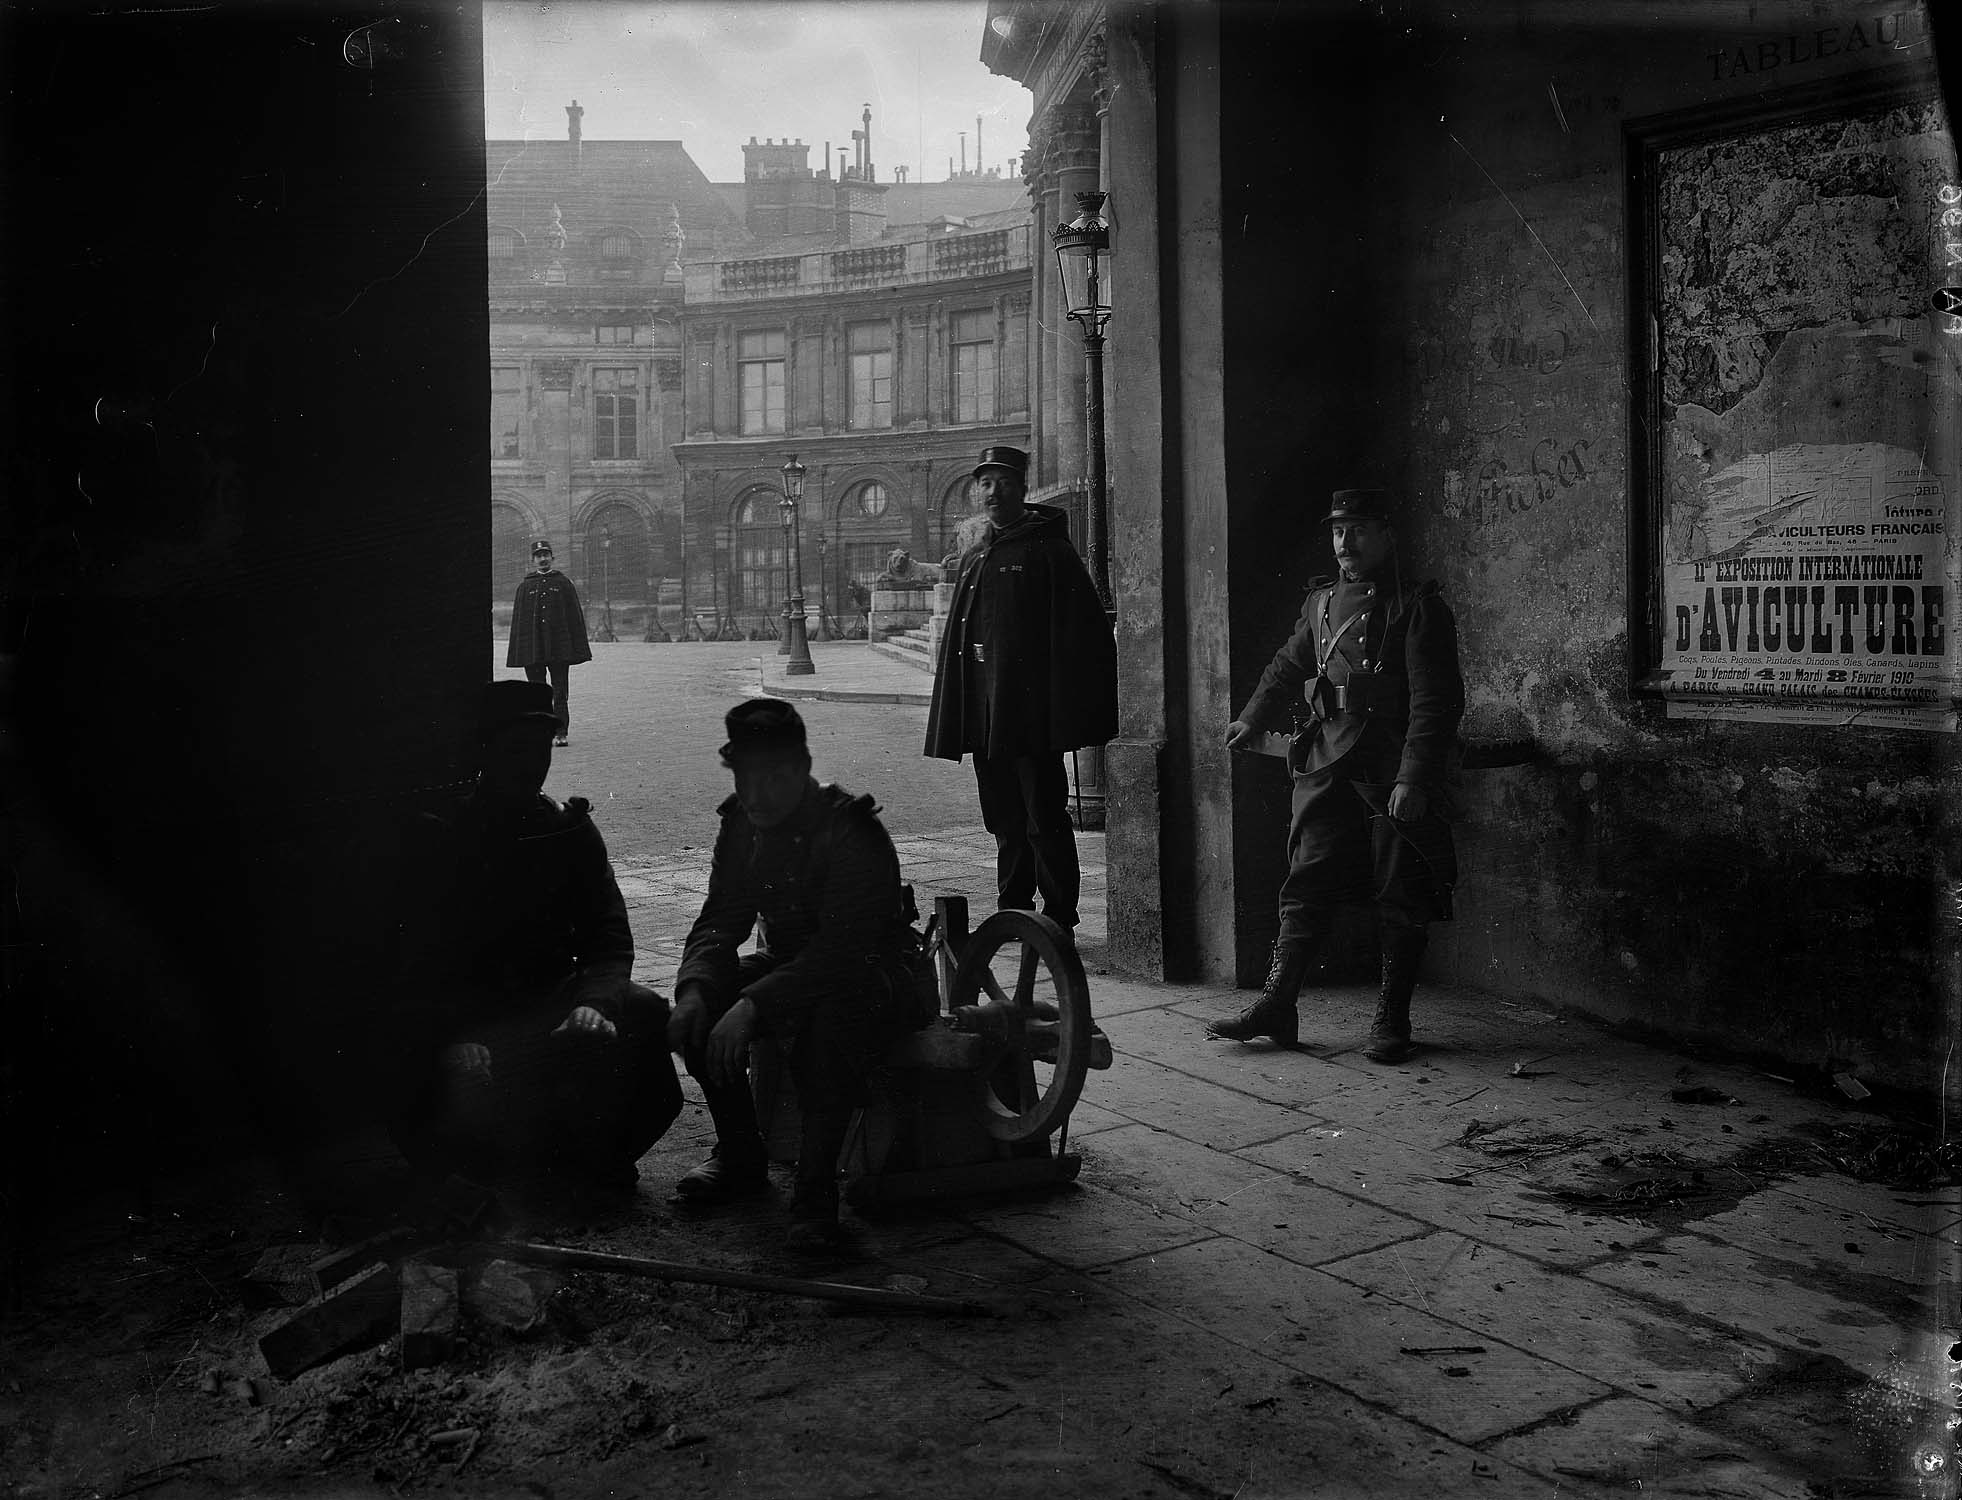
{"type": "Point", "coordinates": [1457, 292]}
{"type": "Point", "coordinates": [885, 327]}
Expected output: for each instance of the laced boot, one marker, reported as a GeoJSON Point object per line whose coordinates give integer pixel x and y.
{"type": "Point", "coordinates": [738, 1165]}
{"type": "Point", "coordinates": [1389, 1034]}
{"type": "Point", "coordinates": [1273, 1014]}
{"type": "Point", "coordinates": [814, 1200]}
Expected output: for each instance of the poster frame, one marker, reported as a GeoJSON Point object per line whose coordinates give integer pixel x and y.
{"type": "Point", "coordinates": [1644, 140]}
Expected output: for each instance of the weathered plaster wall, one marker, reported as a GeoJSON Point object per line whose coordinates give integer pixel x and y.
{"type": "Point", "coordinates": [1453, 324]}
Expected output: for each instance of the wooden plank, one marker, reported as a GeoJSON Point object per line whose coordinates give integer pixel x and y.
{"type": "Point", "coordinates": [363, 1310]}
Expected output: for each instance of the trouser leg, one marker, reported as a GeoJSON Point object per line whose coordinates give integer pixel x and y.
{"type": "Point", "coordinates": [1003, 815]}
{"type": "Point", "coordinates": [1025, 805]}
{"type": "Point", "coordinates": [731, 1105]}
{"type": "Point", "coordinates": [562, 695]}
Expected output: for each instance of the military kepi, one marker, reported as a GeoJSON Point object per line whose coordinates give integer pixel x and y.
{"type": "Point", "coordinates": [1360, 505]}
{"type": "Point", "coordinates": [541, 548]}
{"type": "Point", "coordinates": [508, 701]}
{"type": "Point", "coordinates": [762, 726]}
{"type": "Point", "coordinates": [1004, 458]}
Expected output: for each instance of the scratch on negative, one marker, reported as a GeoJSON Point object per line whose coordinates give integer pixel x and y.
{"type": "Point", "coordinates": [475, 199]}
{"type": "Point", "coordinates": [481, 192]}
{"type": "Point", "coordinates": [202, 367]}
{"type": "Point", "coordinates": [1529, 228]}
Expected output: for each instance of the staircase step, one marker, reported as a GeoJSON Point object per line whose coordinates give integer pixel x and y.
{"type": "Point", "coordinates": [917, 656]}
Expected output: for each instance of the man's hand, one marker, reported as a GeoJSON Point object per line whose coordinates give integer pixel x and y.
{"type": "Point", "coordinates": [468, 1060]}
{"type": "Point", "coordinates": [586, 1023]}
{"type": "Point", "coordinates": [1408, 803]}
{"type": "Point", "coordinates": [728, 1045]}
{"type": "Point", "coordinates": [688, 1023]}
{"type": "Point", "coordinates": [1240, 734]}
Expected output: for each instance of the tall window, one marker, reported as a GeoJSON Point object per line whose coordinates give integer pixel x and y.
{"type": "Point", "coordinates": [503, 245]}
{"type": "Point", "coordinates": [974, 366]}
{"type": "Point", "coordinates": [616, 413]}
{"type": "Point", "coordinates": [613, 333]}
{"type": "Point", "coordinates": [760, 363]}
{"type": "Point", "coordinates": [871, 352]}
{"type": "Point", "coordinates": [507, 409]}
{"type": "Point", "coordinates": [759, 555]}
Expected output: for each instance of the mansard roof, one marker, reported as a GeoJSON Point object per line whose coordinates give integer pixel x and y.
{"type": "Point", "coordinates": [600, 185]}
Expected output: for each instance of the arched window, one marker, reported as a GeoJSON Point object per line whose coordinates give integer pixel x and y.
{"type": "Point", "coordinates": [503, 245]}
{"type": "Point", "coordinates": [619, 564]}
{"type": "Point", "coordinates": [511, 540]}
{"type": "Point", "coordinates": [872, 499]}
{"type": "Point", "coordinates": [618, 247]}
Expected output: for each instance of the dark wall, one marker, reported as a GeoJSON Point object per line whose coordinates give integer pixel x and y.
{"type": "Point", "coordinates": [1429, 203]}
{"type": "Point", "coordinates": [244, 403]}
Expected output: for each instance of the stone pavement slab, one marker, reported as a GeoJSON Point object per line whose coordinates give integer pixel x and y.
{"type": "Point", "coordinates": [1858, 1318]}
{"type": "Point", "coordinates": [1620, 1340]}
{"type": "Point", "coordinates": [1200, 1111]}
{"type": "Point", "coordinates": [1087, 1227]}
{"type": "Point", "coordinates": [1289, 1216]}
{"type": "Point", "coordinates": [1452, 1188]}
{"type": "Point", "coordinates": [1350, 1338]}
{"type": "Point", "coordinates": [1625, 1446]}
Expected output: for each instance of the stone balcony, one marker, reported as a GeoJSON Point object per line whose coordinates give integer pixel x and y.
{"type": "Point", "coordinates": [858, 267]}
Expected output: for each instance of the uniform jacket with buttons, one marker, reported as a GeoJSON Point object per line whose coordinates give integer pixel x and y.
{"type": "Point", "coordinates": [516, 909]}
{"type": "Point", "coordinates": [1393, 650]}
{"type": "Point", "coordinates": [547, 624]}
{"type": "Point", "coordinates": [1045, 676]}
{"type": "Point", "coordinates": [822, 890]}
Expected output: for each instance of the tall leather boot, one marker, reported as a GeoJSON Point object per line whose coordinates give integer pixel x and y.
{"type": "Point", "coordinates": [1273, 1014]}
{"type": "Point", "coordinates": [1389, 1034]}
{"type": "Point", "coordinates": [738, 1164]}
{"type": "Point", "coordinates": [814, 1201]}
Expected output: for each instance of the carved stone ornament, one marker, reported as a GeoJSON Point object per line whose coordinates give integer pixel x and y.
{"type": "Point", "coordinates": [554, 374]}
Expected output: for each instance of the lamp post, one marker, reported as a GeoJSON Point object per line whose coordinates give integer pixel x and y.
{"type": "Point", "coordinates": [800, 663]}
{"type": "Point", "coordinates": [783, 636]}
{"type": "Point", "coordinates": [1082, 256]}
{"type": "Point", "coordinates": [824, 587]}
{"type": "Point", "coordinates": [606, 584]}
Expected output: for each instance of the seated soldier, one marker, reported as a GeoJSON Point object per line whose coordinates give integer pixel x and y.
{"type": "Point", "coordinates": [547, 1064]}
{"type": "Point", "coordinates": [838, 973]}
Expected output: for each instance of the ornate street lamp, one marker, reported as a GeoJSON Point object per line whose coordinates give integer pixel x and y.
{"type": "Point", "coordinates": [800, 663]}
{"type": "Point", "coordinates": [824, 587]}
{"type": "Point", "coordinates": [1083, 257]}
{"type": "Point", "coordinates": [606, 583]}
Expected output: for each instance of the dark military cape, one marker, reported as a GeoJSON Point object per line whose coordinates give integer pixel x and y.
{"type": "Point", "coordinates": [1026, 598]}
{"type": "Point", "coordinates": [547, 624]}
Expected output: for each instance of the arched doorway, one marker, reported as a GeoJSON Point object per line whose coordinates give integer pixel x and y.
{"type": "Point", "coordinates": [617, 561]}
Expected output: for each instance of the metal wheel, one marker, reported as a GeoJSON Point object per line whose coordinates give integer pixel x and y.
{"type": "Point", "coordinates": [1023, 984]}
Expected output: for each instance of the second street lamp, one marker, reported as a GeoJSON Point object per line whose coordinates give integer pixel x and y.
{"type": "Point", "coordinates": [800, 663]}
{"type": "Point", "coordinates": [1082, 256]}
{"type": "Point", "coordinates": [606, 583]}
{"type": "Point", "coordinates": [824, 587]}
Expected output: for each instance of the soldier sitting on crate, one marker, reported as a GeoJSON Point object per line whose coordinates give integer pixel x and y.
{"type": "Point", "coordinates": [837, 976]}
{"type": "Point", "coordinates": [538, 1059]}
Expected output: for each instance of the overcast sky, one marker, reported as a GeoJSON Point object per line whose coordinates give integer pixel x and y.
{"type": "Point", "coordinates": [713, 73]}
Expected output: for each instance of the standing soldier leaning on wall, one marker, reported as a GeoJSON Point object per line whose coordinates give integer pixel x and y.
{"type": "Point", "coordinates": [548, 633]}
{"type": "Point", "coordinates": [1375, 660]}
